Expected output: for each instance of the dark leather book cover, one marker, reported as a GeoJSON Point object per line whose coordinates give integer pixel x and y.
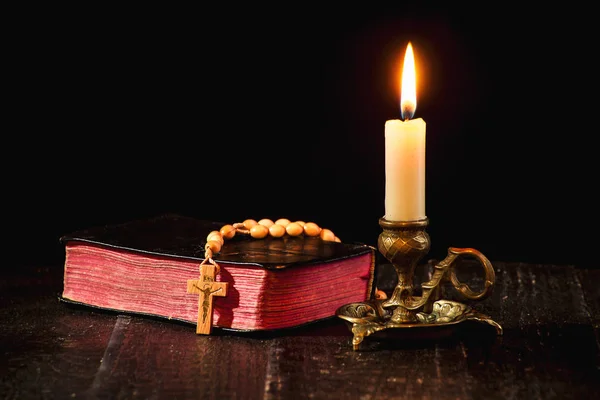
{"type": "Point", "coordinates": [142, 267]}
{"type": "Point", "coordinates": [181, 236]}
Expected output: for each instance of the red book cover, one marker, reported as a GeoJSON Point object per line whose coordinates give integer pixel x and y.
{"type": "Point", "coordinates": [143, 267]}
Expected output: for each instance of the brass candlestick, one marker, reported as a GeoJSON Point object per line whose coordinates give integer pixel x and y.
{"type": "Point", "coordinates": [404, 244]}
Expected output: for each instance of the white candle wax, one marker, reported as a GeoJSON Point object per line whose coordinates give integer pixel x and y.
{"type": "Point", "coordinates": [405, 170]}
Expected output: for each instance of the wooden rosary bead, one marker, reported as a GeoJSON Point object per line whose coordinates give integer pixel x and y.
{"type": "Point", "coordinates": [228, 231]}
{"type": "Point", "coordinates": [294, 229]}
{"type": "Point", "coordinates": [277, 230]}
{"type": "Point", "coordinates": [311, 229]}
{"type": "Point", "coordinates": [326, 234]}
{"type": "Point", "coordinates": [215, 235]}
{"type": "Point", "coordinates": [214, 245]}
{"type": "Point", "coordinates": [259, 231]}
{"type": "Point", "coordinates": [266, 222]}
{"type": "Point", "coordinates": [283, 222]}
{"type": "Point", "coordinates": [249, 223]}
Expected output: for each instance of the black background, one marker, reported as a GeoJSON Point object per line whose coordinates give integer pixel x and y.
{"type": "Point", "coordinates": [228, 113]}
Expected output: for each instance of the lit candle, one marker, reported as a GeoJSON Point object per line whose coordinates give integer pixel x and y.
{"type": "Point", "coordinates": [405, 153]}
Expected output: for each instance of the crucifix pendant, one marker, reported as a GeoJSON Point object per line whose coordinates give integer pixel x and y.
{"type": "Point", "coordinates": [206, 287]}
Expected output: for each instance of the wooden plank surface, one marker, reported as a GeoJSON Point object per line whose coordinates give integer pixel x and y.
{"type": "Point", "coordinates": [550, 315]}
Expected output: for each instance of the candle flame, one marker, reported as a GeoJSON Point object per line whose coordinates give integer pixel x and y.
{"type": "Point", "coordinates": [408, 93]}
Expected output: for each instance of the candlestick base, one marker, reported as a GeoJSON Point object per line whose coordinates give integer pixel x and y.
{"type": "Point", "coordinates": [404, 244]}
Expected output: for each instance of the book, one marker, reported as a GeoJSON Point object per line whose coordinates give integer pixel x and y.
{"type": "Point", "coordinates": [152, 267]}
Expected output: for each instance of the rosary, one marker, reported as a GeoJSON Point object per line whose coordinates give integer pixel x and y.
{"type": "Point", "coordinates": [206, 286]}
{"type": "Point", "coordinates": [263, 228]}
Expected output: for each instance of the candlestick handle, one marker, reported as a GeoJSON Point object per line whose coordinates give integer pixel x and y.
{"type": "Point", "coordinates": [454, 253]}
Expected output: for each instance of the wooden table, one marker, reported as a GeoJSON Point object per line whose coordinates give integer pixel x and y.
{"type": "Point", "coordinates": [549, 349]}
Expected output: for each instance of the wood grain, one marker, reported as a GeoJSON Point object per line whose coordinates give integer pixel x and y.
{"type": "Point", "coordinates": [549, 349]}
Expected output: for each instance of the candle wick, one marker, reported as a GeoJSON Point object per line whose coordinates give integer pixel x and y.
{"type": "Point", "coordinates": [407, 110]}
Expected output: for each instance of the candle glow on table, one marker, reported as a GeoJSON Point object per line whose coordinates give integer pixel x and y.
{"type": "Point", "coordinates": [405, 153]}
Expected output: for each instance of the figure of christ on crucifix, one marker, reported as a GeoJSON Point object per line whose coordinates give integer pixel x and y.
{"type": "Point", "coordinates": [206, 287]}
